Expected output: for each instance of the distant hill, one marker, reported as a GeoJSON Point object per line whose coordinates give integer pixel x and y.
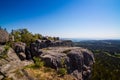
{"type": "Point", "coordinates": [110, 46]}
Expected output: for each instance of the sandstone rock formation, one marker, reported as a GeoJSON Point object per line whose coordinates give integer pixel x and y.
{"type": "Point", "coordinates": [4, 36]}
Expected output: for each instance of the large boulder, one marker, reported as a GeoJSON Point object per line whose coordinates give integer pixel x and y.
{"type": "Point", "coordinates": [76, 60]}
{"type": "Point", "coordinates": [4, 36]}
{"type": "Point", "coordinates": [28, 53]}
{"type": "Point", "coordinates": [54, 60]}
{"type": "Point", "coordinates": [35, 49]}
{"type": "Point", "coordinates": [19, 48]}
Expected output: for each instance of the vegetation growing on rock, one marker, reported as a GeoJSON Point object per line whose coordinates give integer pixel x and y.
{"type": "Point", "coordinates": [38, 62]}
{"type": "Point", "coordinates": [62, 71]}
{"type": "Point", "coordinates": [23, 35]}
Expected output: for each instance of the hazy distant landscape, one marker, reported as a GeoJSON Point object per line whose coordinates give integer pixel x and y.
{"type": "Point", "coordinates": [111, 46]}
{"type": "Point", "coordinates": [107, 56]}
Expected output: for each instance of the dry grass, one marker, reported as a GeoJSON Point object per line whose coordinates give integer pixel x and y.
{"type": "Point", "coordinates": [45, 73]}
{"type": "Point", "coordinates": [18, 73]}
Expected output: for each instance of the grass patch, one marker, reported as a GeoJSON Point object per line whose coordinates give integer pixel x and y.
{"type": "Point", "coordinates": [46, 73]}
{"type": "Point", "coordinates": [43, 73]}
{"type": "Point", "coordinates": [62, 71]}
{"type": "Point", "coordinates": [38, 62]}
{"type": "Point", "coordinates": [32, 66]}
{"type": "Point", "coordinates": [47, 69]}
{"type": "Point", "coordinates": [18, 74]}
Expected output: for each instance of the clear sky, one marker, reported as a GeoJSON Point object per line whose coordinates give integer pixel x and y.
{"type": "Point", "coordinates": [98, 19]}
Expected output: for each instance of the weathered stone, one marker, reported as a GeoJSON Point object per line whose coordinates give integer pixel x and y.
{"type": "Point", "coordinates": [54, 59]}
{"type": "Point", "coordinates": [11, 64]}
{"type": "Point", "coordinates": [34, 49]}
{"type": "Point", "coordinates": [1, 49]}
{"type": "Point", "coordinates": [28, 53]}
{"type": "Point", "coordinates": [77, 60]}
{"type": "Point", "coordinates": [39, 44]}
{"type": "Point", "coordinates": [19, 48]}
{"type": "Point", "coordinates": [77, 74]}
{"type": "Point", "coordinates": [4, 36]}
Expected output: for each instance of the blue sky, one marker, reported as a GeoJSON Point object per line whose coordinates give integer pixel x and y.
{"type": "Point", "coordinates": [97, 19]}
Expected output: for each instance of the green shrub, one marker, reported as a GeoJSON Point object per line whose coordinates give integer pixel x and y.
{"type": "Point", "coordinates": [9, 43]}
{"type": "Point", "coordinates": [6, 48]}
{"type": "Point", "coordinates": [38, 62]}
{"type": "Point", "coordinates": [23, 35]}
{"type": "Point", "coordinates": [62, 71]}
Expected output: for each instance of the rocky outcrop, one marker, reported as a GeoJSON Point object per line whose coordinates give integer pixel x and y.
{"type": "Point", "coordinates": [28, 52]}
{"type": "Point", "coordinates": [77, 61]}
{"type": "Point", "coordinates": [10, 64]}
{"type": "Point", "coordinates": [59, 54]}
{"type": "Point", "coordinates": [48, 43]}
{"type": "Point", "coordinates": [39, 44]}
{"type": "Point", "coordinates": [4, 36]}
